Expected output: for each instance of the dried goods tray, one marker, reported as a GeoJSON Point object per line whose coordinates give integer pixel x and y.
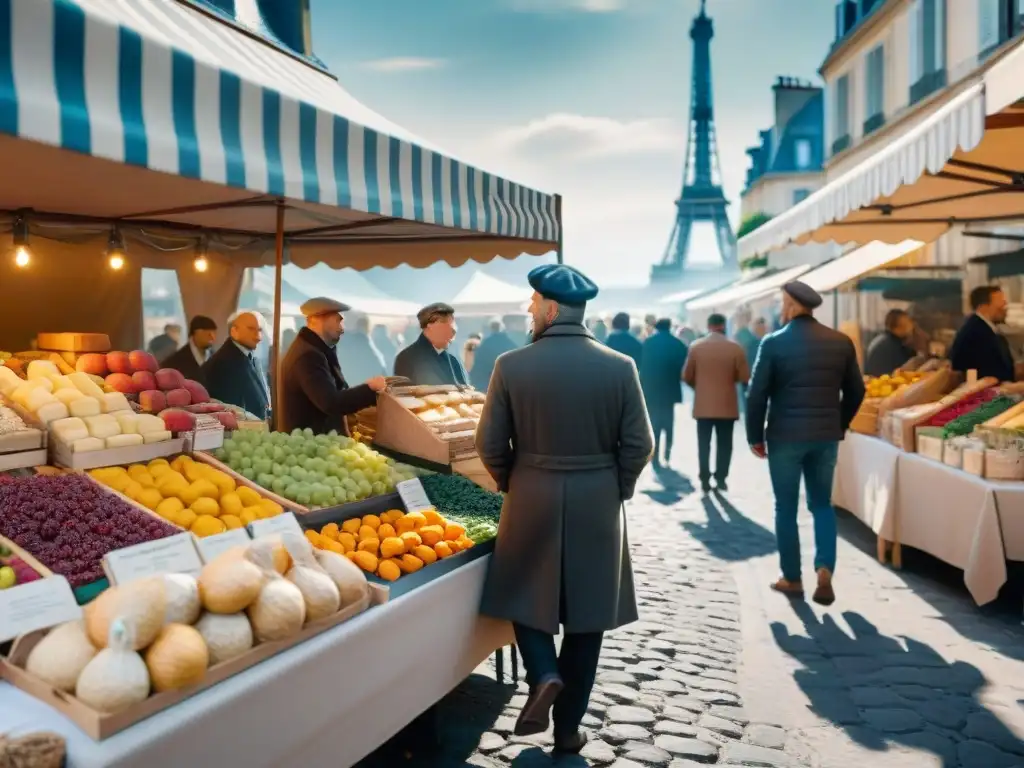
{"type": "Point", "coordinates": [266, 493]}
{"type": "Point", "coordinates": [99, 725]}
{"type": "Point", "coordinates": [25, 448]}
{"type": "Point", "coordinates": [375, 505]}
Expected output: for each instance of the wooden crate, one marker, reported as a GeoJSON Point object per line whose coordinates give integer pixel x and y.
{"type": "Point", "coordinates": [20, 450]}
{"type": "Point", "coordinates": [26, 557]}
{"type": "Point", "coordinates": [401, 431]}
{"type": "Point", "coordinates": [101, 725]}
{"type": "Point", "coordinates": [112, 457]}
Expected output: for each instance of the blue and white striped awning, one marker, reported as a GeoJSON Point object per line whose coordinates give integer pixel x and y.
{"type": "Point", "coordinates": [160, 85]}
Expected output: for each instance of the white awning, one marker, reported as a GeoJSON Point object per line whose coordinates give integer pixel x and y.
{"type": "Point", "coordinates": [486, 295]}
{"type": "Point", "coordinates": [154, 112]}
{"type": "Point", "coordinates": [738, 293]}
{"type": "Point", "coordinates": [960, 165]}
{"type": "Point", "coordinates": [854, 264]}
{"type": "Point", "coordinates": [680, 297]}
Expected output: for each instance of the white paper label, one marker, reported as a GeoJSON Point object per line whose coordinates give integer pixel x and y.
{"type": "Point", "coordinates": [269, 526]}
{"type": "Point", "coordinates": [211, 546]}
{"type": "Point", "coordinates": [175, 554]}
{"type": "Point", "coordinates": [414, 496]}
{"type": "Point", "coordinates": [37, 605]}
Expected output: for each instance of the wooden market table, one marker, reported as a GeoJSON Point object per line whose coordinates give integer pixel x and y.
{"type": "Point", "coordinates": [327, 702]}
{"type": "Point", "coordinates": [967, 521]}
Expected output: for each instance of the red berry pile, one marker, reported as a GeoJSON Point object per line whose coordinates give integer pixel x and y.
{"type": "Point", "coordinates": [69, 523]}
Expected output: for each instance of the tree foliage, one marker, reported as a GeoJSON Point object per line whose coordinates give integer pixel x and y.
{"type": "Point", "coordinates": [752, 222]}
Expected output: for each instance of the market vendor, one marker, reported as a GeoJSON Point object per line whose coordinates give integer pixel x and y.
{"type": "Point", "coordinates": [893, 348]}
{"type": "Point", "coordinates": [314, 393]}
{"type": "Point", "coordinates": [427, 360]}
{"type": "Point", "coordinates": [978, 344]}
{"type": "Point", "coordinates": [232, 374]}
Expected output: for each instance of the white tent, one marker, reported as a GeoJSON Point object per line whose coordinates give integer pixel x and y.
{"type": "Point", "coordinates": [486, 295]}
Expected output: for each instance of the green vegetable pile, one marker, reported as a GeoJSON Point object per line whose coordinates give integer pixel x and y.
{"type": "Point", "coordinates": [463, 501]}
{"type": "Point", "coordinates": [965, 424]}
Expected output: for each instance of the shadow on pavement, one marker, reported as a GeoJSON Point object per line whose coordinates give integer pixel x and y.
{"type": "Point", "coordinates": [674, 486]}
{"type": "Point", "coordinates": [535, 757]}
{"type": "Point", "coordinates": [996, 625]}
{"type": "Point", "coordinates": [729, 534]}
{"type": "Point", "coordinates": [460, 719]}
{"type": "Point", "coordinates": [883, 692]}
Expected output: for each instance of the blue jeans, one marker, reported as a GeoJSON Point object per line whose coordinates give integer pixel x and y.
{"type": "Point", "coordinates": [816, 463]}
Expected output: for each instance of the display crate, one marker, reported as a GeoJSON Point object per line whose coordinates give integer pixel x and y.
{"type": "Point", "coordinates": [314, 521]}
{"type": "Point", "coordinates": [62, 455]}
{"type": "Point", "coordinates": [100, 725]}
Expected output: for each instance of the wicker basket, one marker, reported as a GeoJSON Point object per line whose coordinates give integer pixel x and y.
{"type": "Point", "coordinates": [37, 750]}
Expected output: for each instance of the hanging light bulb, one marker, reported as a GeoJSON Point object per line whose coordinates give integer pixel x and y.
{"type": "Point", "coordinates": [201, 263]}
{"type": "Point", "coordinates": [22, 254]}
{"type": "Point", "coordinates": [115, 250]}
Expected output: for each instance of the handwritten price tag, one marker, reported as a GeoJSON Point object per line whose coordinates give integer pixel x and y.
{"type": "Point", "coordinates": [270, 526]}
{"type": "Point", "coordinates": [414, 496]}
{"type": "Point", "coordinates": [37, 605]}
{"type": "Point", "coordinates": [211, 546]}
{"type": "Point", "coordinates": [175, 554]}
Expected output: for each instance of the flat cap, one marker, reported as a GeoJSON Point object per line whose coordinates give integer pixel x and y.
{"type": "Point", "coordinates": [563, 284]}
{"type": "Point", "coordinates": [803, 294]}
{"type": "Point", "coordinates": [429, 311]}
{"type": "Point", "coordinates": [321, 305]}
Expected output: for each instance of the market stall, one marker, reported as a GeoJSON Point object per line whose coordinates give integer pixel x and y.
{"type": "Point", "coordinates": [488, 296]}
{"type": "Point", "coordinates": [939, 466]}
{"type": "Point", "coordinates": [283, 165]}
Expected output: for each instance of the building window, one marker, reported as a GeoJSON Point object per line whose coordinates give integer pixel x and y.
{"type": "Point", "coordinates": [841, 114]}
{"type": "Point", "coordinates": [799, 195]}
{"type": "Point", "coordinates": [927, 47]}
{"type": "Point", "coordinates": [998, 21]}
{"type": "Point", "coordinates": [874, 83]}
{"type": "Point", "coordinates": [803, 154]}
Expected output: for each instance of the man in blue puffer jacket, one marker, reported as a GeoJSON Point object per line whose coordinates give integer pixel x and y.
{"type": "Point", "coordinates": [810, 376]}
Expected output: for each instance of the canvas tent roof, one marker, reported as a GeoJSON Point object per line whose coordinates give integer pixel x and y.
{"type": "Point", "coordinates": [484, 294]}
{"type": "Point", "coordinates": [100, 93]}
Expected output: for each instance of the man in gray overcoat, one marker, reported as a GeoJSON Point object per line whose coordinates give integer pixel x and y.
{"type": "Point", "coordinates": [565, 435]}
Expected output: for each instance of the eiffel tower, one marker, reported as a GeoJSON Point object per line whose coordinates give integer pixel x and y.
{"type": "Point", "coordinates": [702, 199]}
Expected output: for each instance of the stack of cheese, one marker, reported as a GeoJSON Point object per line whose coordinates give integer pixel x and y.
{"type": "Point", "coordinates": [436, 408]}
{"type": "Point", "coordinates": [79, 413]}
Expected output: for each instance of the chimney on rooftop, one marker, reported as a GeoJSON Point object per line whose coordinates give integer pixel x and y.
{"type": "Point", "coordinates": [791, 94]}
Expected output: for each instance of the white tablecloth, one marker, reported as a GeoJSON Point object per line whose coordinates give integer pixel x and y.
{"type": "Point", "coordinates": [865, 482]}
{"type": "Point", "coordinates": [964, 520]}
{"type": "Point", "coordinates": [327, 702]}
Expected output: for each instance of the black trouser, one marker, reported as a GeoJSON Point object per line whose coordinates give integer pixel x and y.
{"type": "Point", "coordinates": [662, 421]}
{"type": "Point", "coordinates": [576, 664]}
{"type": "Point", "coordinates": [723, 429]}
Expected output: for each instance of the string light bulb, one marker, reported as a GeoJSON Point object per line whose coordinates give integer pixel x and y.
{"type": "Point", "coordinates": [22, 254]}
{"type": "Point", "coordinates": [115, 250]}
{"type": "Point", "coordinates": [201, 263]}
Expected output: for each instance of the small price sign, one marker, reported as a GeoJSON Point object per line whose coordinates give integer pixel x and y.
{"type": "Point", "coordinates": [211, 546]}
{"type": "Point", "coordinates": [39, 604]}
{"type": "Point", "coordinates": [175, 554]}
{"type": "Point", "coordinates": [414, 496]}
{"type": "Point", "coordinates": [270, 526]}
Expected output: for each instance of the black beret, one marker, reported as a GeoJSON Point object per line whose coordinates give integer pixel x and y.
{"type": "Point", "coordinates": [563, 284]}
{"type": "Point", "coordinates": [201, 323]}
{"type": "Point", "coordinates": [803, 294]}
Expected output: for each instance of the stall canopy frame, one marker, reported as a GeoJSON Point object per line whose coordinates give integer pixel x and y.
{"type": "Point", "coordinates": [962, 165]}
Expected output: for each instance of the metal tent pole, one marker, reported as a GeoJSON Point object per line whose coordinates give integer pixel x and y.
{"type": "Point", "coordinates": [275, 345]}
{"type": "Point", "coordinates": [558, 217]}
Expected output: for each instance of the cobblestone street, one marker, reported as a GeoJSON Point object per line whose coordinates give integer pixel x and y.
{"type": "Point", "coordinates": [904, 670]}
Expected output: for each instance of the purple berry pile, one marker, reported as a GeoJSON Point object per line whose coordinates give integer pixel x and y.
{"type": "Point", "coordinates": [69, 523]}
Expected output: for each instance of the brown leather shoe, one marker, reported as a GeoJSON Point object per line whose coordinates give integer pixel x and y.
{"type": "Point", "coordinates": [824, 594]}
{"type": "Point", "coordinates": [536, 714]}
{"type": "Point", "coordinates": [794, 589]}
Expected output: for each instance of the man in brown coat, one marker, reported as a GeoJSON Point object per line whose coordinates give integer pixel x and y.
{"type": "Point", "coordinates": [565, 435]}
{"type": "Point", "coordinates": [714, 367]}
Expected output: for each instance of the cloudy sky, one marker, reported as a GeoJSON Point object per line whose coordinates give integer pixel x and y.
{"type": "Point", "coordinates": [588, 98]}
